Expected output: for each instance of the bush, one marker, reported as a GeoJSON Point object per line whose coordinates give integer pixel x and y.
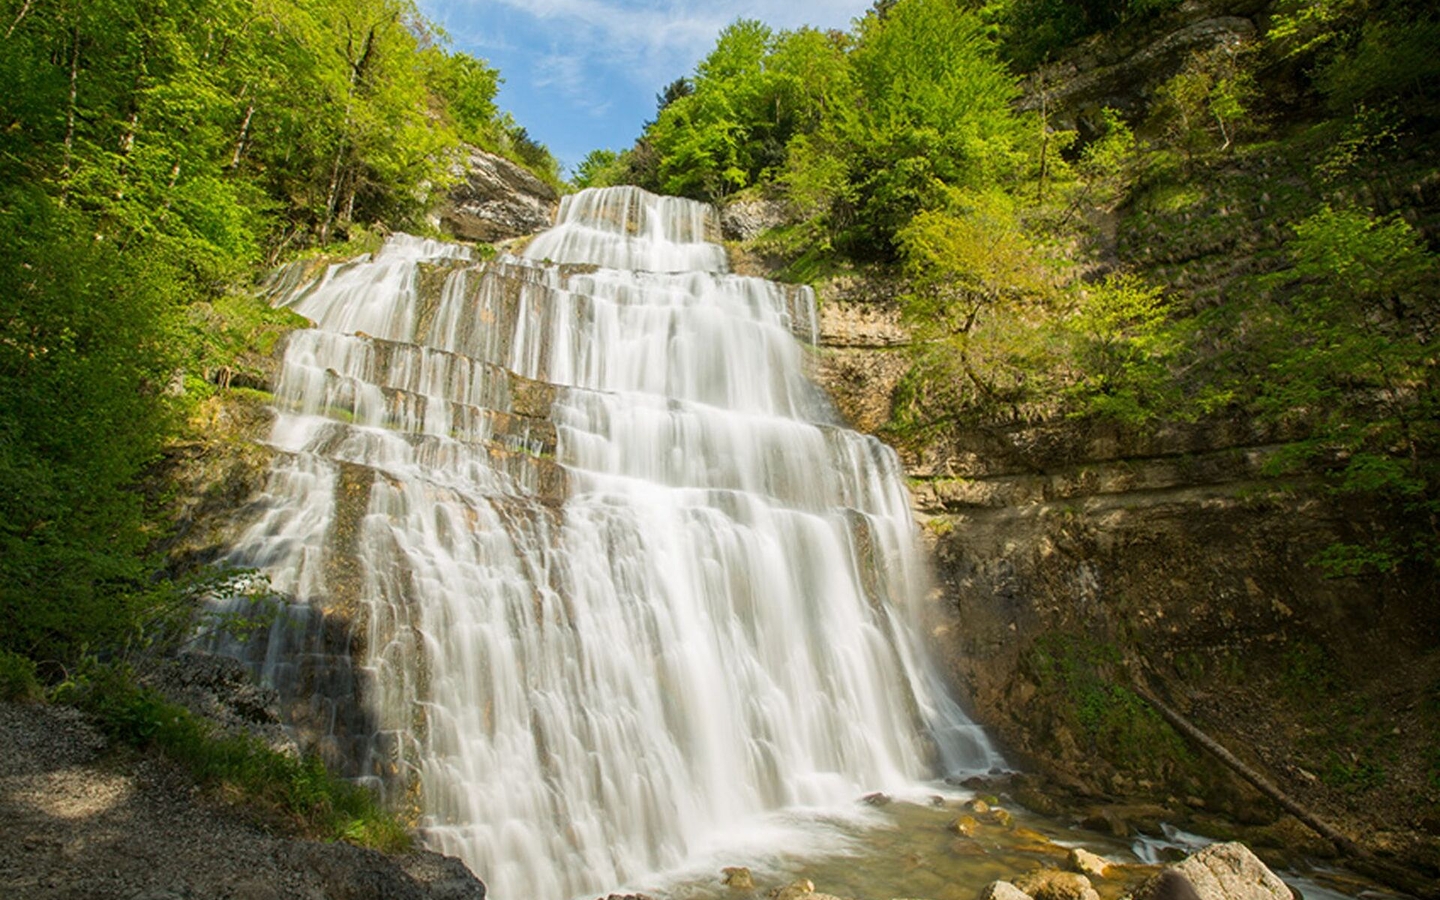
{"type": "Point", "coordinates": [17, 679]}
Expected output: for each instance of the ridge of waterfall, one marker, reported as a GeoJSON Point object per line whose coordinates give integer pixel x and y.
{"type": "Point", "coordinates": [614, 578]}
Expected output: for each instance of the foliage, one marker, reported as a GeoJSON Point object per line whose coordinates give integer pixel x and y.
{"type": "Point", "coordinates": [1031, 31]}
{"type": "Point", "coordinates": [296, 792]}
{"type": "Point", "coordinates": [935, 113]}
{"type": "Point", "coordinates": [151, 155]}
{"type": "Point", "coordinates": [1351, 351]}
{"type": "Point", "coordinates": [18, 683]}
{"type": "Point", "coordinates": [596, 169]}
{"type": "Point", "coordinates": [977, 294]}
{"type": "Point", "coordinates": [1122, 343]}
{"type": "Point", "coordinates": [1208, 101]}
{"type": "Point", "coordinates": [1371, 52]}
{"type": "Point", "coordinates": [730, 124]}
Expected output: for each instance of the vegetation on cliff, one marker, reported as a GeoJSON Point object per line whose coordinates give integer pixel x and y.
{"type": "Point", "coordinates": [906, 144]}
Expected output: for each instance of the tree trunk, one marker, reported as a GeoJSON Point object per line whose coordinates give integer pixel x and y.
{"type": "Point", "coordinates": [244, 136]}
{"type": "Point", "coordinates": [70, 110]}
{"type": "Point", "coordinates": [15, 24]}
{"type": "Point", "coordinates": [1261, 783]}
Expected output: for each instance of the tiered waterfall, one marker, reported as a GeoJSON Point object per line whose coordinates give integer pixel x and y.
{"type": "Point", "coordinates": [610, 577]}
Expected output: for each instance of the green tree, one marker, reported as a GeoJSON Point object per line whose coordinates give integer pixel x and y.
{"type": "Point", "coordinates": [1122, 340]}
{"type": "Point", "coordinates": [1351, 354]}
{"type": "Point", "coordinates": [934, 111]}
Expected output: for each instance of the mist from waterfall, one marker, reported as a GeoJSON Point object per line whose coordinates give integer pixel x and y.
{"type": "Point", "coordinates": [618, 579]}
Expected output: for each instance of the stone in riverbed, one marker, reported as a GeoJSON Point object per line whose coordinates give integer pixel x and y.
{"type": "Point", "coordinates": [738, 877]}
{"type": "Point", "coordinates": [794, 890]}
{"type": "Point", "coordinates": [1003, 890]}
{"type": "Point", "coordinates": [1053, 884]}
{"type": "Point", "coordinates": [1219, 872]}
{"type": "Point", "coordinates": [965, 825]}
{"type": "Point", "coordinates": [1087, 863]}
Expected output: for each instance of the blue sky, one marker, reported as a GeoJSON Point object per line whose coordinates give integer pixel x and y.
{"type": "Point", "coordinates": [581, 74]}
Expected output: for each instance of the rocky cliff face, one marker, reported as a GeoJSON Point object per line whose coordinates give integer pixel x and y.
{"type": "Point", "coordinates": [494, 199]}
{"type": "Point", "coordinates": [1121, 69]}
{"type": "Point", "coordinates": [1078, 561]}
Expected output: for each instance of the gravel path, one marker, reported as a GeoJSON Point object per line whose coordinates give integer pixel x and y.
{"type": "Point", "coordinates": [77, 823]}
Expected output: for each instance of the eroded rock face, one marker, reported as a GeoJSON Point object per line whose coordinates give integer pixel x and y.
{"type": "Point", "coordinates": [746, 219]}
{"type": "Point", "coordinates": [496, 200]}
{"type": "Point", "coordinates": [1121, 69]}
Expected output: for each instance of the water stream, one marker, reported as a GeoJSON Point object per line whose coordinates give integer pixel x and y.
{"type": "Point", "coordinates": [615, 590]}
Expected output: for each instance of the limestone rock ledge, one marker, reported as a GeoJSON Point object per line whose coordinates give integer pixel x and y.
{"type": "Point", "coordinates": [496, 199]}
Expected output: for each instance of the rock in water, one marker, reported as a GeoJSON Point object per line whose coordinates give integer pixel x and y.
{"type": "Point", "coordinates": [1218, 872]}
{"type": "Point", "coordinates": [495, 200]}
{"type": "Point", "coordinates": [1168, 885]}
{"type": "Point", "coordinates": [738, 877]}
{"type": "Point", "coordinates": [1052, 884]}
{"type": "Point", "coordinates": [794, 890]}
{"type": "Point", "coordinates": [1003, 890]}
{"type": "Point", "coordinates": [1087, 863]}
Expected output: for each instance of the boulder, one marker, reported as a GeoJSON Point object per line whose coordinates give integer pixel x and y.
{"type": "Point", "coordinates": [1003, 890]}
{"type": "Point", "coordinates": [1053, 884]}
{"type": "Point", "coordinates": [1219, 872]}
{"type": "Point", "coordinates": [495, 199]}
{"type": "Point", "coordinates": [442, 877]}
{"type": "Point", "coordinates": [737, 877]}
{"type": "Point", "coordinates": [1087, 863]}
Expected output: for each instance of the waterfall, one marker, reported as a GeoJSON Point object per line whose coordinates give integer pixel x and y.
{"type": "Point", "coordinates": [610, 576]}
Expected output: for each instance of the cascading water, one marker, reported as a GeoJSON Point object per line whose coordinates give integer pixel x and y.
{"type": "Point", "coordinates": [615, 579]}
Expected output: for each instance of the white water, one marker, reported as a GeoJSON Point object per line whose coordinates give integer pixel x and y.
{"type": "Point", "coordinates": [603, 648]}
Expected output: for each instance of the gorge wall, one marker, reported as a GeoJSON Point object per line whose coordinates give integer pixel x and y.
{"type": "Point", "coordinates": [1076, 560]}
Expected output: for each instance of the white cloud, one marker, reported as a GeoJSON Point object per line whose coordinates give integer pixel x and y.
{"type": "Point", "coordinates": [653, 42]}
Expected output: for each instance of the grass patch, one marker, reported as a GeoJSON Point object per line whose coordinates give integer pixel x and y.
{"type": "Point", "coordinates": [297, 794]}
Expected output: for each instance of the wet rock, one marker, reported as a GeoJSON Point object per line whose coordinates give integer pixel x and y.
{"type": "Point", "coordinates": [794, 890]}
{"type": "Point", "coordinates": [978, 806]}
{"type": "Point", "coordinates": [495, 199]}
{"type": "Point", "coordinates": [1053, 884]}
{"type": "Point", "coordinates": [1001, 817]}
{"type": "Point", "coordinates": [1106, 821]}
{"type": "Point", "coordinates": [876, 799]}
{"type": "Point", "coordinates": [965, 826]}
{"type": "Point", "coordinates": [1003, 890]}
{"type": "Point", "coordinates": [1087, 863]}
{"type": "Point", "coordinates": [354, 873]}
{"type": "Point", "coordinates": [1219, 872]}
{"type": "Point", "coordinates": [963, 846]}
{"type": "Point", "coordinates": [737, 877]}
